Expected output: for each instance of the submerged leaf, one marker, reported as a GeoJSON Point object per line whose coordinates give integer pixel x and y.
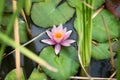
{"type": "Point", "coordinates": [7, 6]}
{"type": "Point", "coordinates": [22, 27]}
{"type": "Point", "coordinates": [49, 13]}
{"type": "Point", "coordinates": [66, 63]}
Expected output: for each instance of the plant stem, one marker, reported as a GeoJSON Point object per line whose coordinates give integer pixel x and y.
{"type": "Point", "coordinates": [118, 61]}
{"type": "Point", "coordinates": [17, 40]}
{"type": "Point", "coordinates": [109, 41]}
{"type": "Point", "coordinates": [84, 26]}
{"type": "Point", "coordinates": [2, 2]}
{"type": "Point", "coordinates": [86, 41]}
{"type": "Point", "coordinates": [26, 52]}
{"type": "Point", "coordinates": [10, 27]}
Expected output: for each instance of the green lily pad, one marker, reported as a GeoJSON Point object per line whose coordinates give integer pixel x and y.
{"type": "Point", "coordinates": [12, 75]}
{"type": "Point", "coordinates": [48, 13]}
{"type": "Point", "coordinates": [74, 3]}
{"type": "Point", "coordinates": [36, 75]}
{"type": "Point", "coordinates": [116, 46]}
{"type": "Point", "coordinates": [98, 30]}
{"type": "Point", "coordinates": [98, 3]}
{"type": "Point", "coordinates": [37, 0]}
{"type": "Point", "coordinates": [100, 51]}
{"type": "Point", "coordinates": [66, 63]}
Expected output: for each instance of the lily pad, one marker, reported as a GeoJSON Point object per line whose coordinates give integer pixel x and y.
{"type": "Point", "coordinates": [98, 3]}
{"type": "Point", "coordinates": [116, 46]}
{"type": "Point", "coordinates": [36, 75]}
{"type": "Point", "coordinates": [50, 12]}
{"type": "Point", "coordinates": [100, 51]}
{"type": "Point", "coordinates": [74, 3]}
{"type": "Point", "coordinates": [98, 30]}
{"type": "Point", "coordinates": [66, 63]}
{"type": "Point", "coordinates": [37, 0]}
{"type": "Point", "coordinates": [12, 75]}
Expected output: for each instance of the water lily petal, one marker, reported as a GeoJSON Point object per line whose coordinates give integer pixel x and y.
{"type": "Point", "coordinates": [48, 41]}
{"type": "Point", "coordinates": [60, 27]}
{"type": "Point", "coordinates": [67, 35]}
{"type": "Point", "coordinates": [58, 40]}
{"type": "Point", "coordinates": [58, 36]}
{"type": "Point", "coordinates": [57, 49]}
{"type": "Point", "coordinates": [54, 29]}
{"type": "Point", "coordinates": [65, 30]}
{"type": "Point", "coordinates": [67, 42]}
{"type": "Point", "coordinates": [49, 34]}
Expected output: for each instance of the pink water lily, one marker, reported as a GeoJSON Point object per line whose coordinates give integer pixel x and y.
{"type": "Point", "coordinates": [58, 37]}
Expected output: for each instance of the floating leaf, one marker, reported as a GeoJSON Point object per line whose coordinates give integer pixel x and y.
{"type": "Point", "coordinates": [74, 3]}
{"type": "Point", "coordinates": [98, 3]}
{"type": "Point", "coordinates": [66, 63]}
{"type": "Point", "coordinates": [12, 75]}
{"type": "Point", "coordinates": [36, 75]}
{"type": "Point", "coordinates": [49, 13]}
{"type": "Point", "coordinates": [116, 46]}
{"type": "Point", "coordinates": [37, 0]}
{"type": "Point", "coordinates": [99, 33]}
{"type": "Point", "coordinates": [100, 51]}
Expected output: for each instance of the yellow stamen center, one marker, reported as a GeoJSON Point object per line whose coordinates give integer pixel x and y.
{"type": "Point", "coordinates": [58, 35]}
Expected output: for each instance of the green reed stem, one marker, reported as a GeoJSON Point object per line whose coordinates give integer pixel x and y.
{"type": "Point", "coordinates": [1, 9]}
{"type": "Point", "coordinates": [84, 25]}
{"type": "Point", "coordinates": [10, 26]}
{"type": "Point", "coordinates": [118, 62]}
